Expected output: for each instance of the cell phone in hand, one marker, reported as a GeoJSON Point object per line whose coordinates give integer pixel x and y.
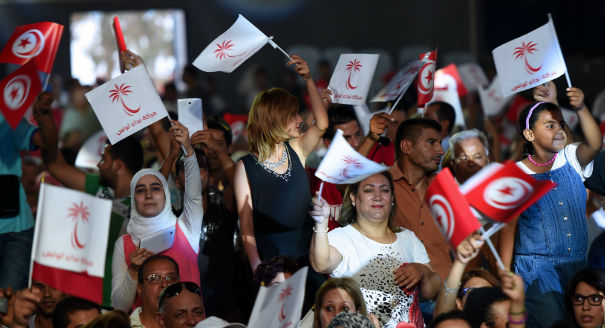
{"type": "Point", "coordinates": [3, 305]}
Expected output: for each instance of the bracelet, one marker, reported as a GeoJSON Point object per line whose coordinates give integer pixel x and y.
{"type": "Point", "coordinates": [321, 231]}
{"type": "Point", "coordinates": [518, 313]}
{"type": "Point", "coordinates": [451, 290]}
{"type": "Point", "coordinates": [520, 322]}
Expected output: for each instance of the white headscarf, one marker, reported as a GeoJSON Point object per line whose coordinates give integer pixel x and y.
{"type": "Point", "coordinates": [140, 226]}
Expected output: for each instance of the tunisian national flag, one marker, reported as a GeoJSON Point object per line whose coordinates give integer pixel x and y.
{"type": "Point", "coordinates": [450, 209]}
{"type": "Point", "coordinates": [426, 77]}
{"type": "Point", "coordinates": [17, 92]}
{"type": "Point", "coordinates": [503, 191]}
{"type": "Point", "coordinates": [70, 241]}
{"type": "Point", "coordinates": [38, 41]}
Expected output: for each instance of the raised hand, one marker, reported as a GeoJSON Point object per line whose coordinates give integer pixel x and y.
{"type": "Point", "coordinates": [576, 98]}
{"type": "Point", "coordinates": [546, 93]}
{"type": "Point", "coordinates": [129, 60]}
{"type": "Point", "coordinates": [469, 248]}
{"type": "Point", "coordinates": [320, 210]}
{"type": "Point", "coordinates": [301, 66]}
{"type": "Point", "coordinates": [326, 97]}
{"type": "Point", "coordinates": [181, 134]}
{"type": "Point", "coordinates": [378, 124]}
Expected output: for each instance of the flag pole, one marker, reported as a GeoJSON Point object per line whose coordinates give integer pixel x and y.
{"type": "Point", "coordinates": [275, 46]}
{"type": "Point", "coordinates": [396, 102]}
{"type": "Point", "coordinates": [493, 249]}
{"type": "Point", "coordinates": [552, 22]}
{"type": "Point", "coordinates": [46, 82]}
{"type": "Point", "coordinates": [321, 188]}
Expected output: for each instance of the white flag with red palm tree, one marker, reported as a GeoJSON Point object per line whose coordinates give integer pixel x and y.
{"type": "Point", "coordinates": [232, 48]}
{"type": "Point", "coordinates": [399, 83]}
{"type": "Point", "coordinates": [70, 241]}
{"type": "Point", "coordinates": [352, 77]}
{"type": "Point", "coordinates": [127, 104]}
{"type": "Point", "coordinates": [530, 60]}
{"type": "Point", "coordinates": [280, 305]}
{"type": "Point", "coordinates": [343, 165]}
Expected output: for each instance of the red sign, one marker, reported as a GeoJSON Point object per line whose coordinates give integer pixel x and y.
{"type": "Point", "coordinates": [38, 41]}
{"type": "Point", "coordinates": [18, 91]}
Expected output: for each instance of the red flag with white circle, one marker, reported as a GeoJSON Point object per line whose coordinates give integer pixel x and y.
{"type": "Point", "coordinates": [38, 41]}
{"type": "Point", "coordinates": [426, 77]}
{"type": "Point", "coordinates": [503, 191]}
{"type": "Point", "coordinates": [18, 91]}
{"type": "Point", "coordinates": [450, 209]}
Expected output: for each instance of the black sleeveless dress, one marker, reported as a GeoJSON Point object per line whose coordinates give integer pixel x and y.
{"type": "Point", "coordinates": [282, 225]}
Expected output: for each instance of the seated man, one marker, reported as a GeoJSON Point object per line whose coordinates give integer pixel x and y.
{"type": "Point", "coordinates": [156, 272]}
{"type": "Point", "coordinates": [181, 306]}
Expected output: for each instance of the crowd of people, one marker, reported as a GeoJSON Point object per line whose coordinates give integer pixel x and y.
{"type": "Point", "coordinates": [251, 216]}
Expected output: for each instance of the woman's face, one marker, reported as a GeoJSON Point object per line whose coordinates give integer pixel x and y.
{"type": "Point", "coordinates": [374, 198]}
{"type": "Point", "coordinates": [587, 315]}
{"type": "Point", "coordinates": [293, 127]}
{"type": "Point", "coordinates": [149, 196]}
{"type": "Point", "coordinates": [335, 301]}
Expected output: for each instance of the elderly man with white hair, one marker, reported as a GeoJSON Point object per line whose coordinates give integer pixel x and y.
{"type": "Point", "coordinates": [468, 153]}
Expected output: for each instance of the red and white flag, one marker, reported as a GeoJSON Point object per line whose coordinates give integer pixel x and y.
{"type": "Point", "coordinates": [18, 91]}
{"type": "Point", "coordinates": [426, 77]}
{"type": "Point", "coordinates": [352, 77]}
{"type": "Point", "coordinates": [503, 191]}
{"type": "Point", "coordinates": [39, 41]}
{"type": "Point", "coordinates": [472, 76]}
{"type": "Point", "coordinates": [280, 305]}
{"type": "Point", "coordinates": [232, 48]}
{"type": "Point", "coordinates": [127, 104]}
{"type": "Point", "coordinates": [447, 88]}
{"type": "Point", "coordinates": [399, 83]}
{"type": "Point", "coordinates": [70, 241]}
{"type": "Point", "coordinates": [449, 209]}
{"type": "Point", "coordinates": [343, 165]}
{"type": "Point", "coordinates": [529, 60]}
{"type": "Point", "coordinates": [491, 98]}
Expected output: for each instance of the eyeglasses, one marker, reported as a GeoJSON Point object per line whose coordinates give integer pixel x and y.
{"type": "Point", "coordinates": [594, 299]}
{"type": "Point", "coordinates": [475, 157]}
{"type": "Point", "coordinates": [464, 291]}
{"type": "Point", "coordinates": [176, 289]}
{"type": "Point", "coordinates": [156, 278]}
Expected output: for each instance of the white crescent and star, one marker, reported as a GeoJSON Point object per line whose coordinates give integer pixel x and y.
{"type": "Point", "coordinates": [28, 44]}
{"type": "Point", "coordinates": [426, 78]}
{"type": "Point", "coordinates": [507, 192]}
{"type": "Point", "coordinates": [442, 212]}
{"type": "Point", "coordinates": [16, 91]}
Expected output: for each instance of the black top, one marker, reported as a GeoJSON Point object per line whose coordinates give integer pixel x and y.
{"type": "Point", "coordinates": [282, 225]}
{"type": "Point", "coordinates": [596, 182]}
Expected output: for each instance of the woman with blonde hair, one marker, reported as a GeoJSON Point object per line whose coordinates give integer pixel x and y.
{"type": "Point", "coordinates": [271, 185]}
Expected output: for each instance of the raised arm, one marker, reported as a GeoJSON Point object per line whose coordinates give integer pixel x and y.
{"type": "Point", "coordinates": [465, 252]}
{"type": "Point", "coordinates": [47, 140]}
{"type": "Point", "coordinates": [192, 203]}
{"type": "Point", "coordinates": [378, 124]}
{"type": "Point", "coordinates": [323, 257]}
{"type": "Point", "coordinates": [307, 142]}
{"type": "Point", "coordinates": [588, 149]}
{"type": "Point", "coordinates": [243, 199]}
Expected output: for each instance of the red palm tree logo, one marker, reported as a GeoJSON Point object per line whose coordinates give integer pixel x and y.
{"type": "Point", "coordinates": [350, 163]}
{"type": "Point", "coordinates": [523, 51]}
{"type": "Point", "coordinates": [221, 51]}
{"type": "Point", "coordinates": [77, 212]}
{"type": "Point", "coordinates": [282, 297]}
{"type": "Point", "coordinates": [353, 66]}
{"type": "Point", "coordinates": [122, 91]}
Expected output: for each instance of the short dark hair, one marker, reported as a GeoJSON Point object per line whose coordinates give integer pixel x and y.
{"type": "Point", "coordinates": [445, 112]}
{"type": "Point", "coordinates": [202, 162]}
{"type": "Point", "coordinates": [152, 258]}
{"type": "Point", "coordinates": [478, 308]}
{"type": "Point", "coordinates": [129, 151]}
{"type": "Point", "coordinates": [339, 115]}
{"type": "Point", "coordinates": [411, 129]}
{"type": "Point", "coordinates": [267, 270]}
{"type": "Point", "coordinates": [215, 122]}
{"type": "Point", "coordinates": [594, 278]}
{"type": "Point", "coordinates": [452, 315]}
{"type": "Point", "coordinates": [69, 306]}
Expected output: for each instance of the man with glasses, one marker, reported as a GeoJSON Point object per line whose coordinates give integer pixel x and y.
{"type": "Point", "coordinates": [181, 305]}
{"type": "Point", "coordinates": [157, 272]}
{"type": "Point", "coordinates": [469, 153]}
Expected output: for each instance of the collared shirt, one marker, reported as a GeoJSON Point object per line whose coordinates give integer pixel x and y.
{"type": "Point", "coordinates": [135, 318]}
{"type": "Point", "coordinates": [413, 214]}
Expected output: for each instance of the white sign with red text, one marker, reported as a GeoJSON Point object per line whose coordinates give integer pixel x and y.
{"type": "Point", "coordinates": [91, 151]}
{"type": "Point", "coordinates": [446, 90]}
{"type": "Point", "coordinates": [127, 104]}
{"type": "Point", "coordinates": [491, 98]}
{"type": "Point", "coordinates": [399, 83]}
{"type": "Point", "coordinates": [352, 77]}
{"type": "Point", "coordinates": [280, 305]}
{"type": "Point", "coordinates": [530, 60]}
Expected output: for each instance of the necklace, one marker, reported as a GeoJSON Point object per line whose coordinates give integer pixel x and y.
{"type": "Point", "coordinates": [273, 165]}
{"type": "Point", "coordinates": [538, 164]}
{"type": "Point", "coordinates": [366, 235]}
